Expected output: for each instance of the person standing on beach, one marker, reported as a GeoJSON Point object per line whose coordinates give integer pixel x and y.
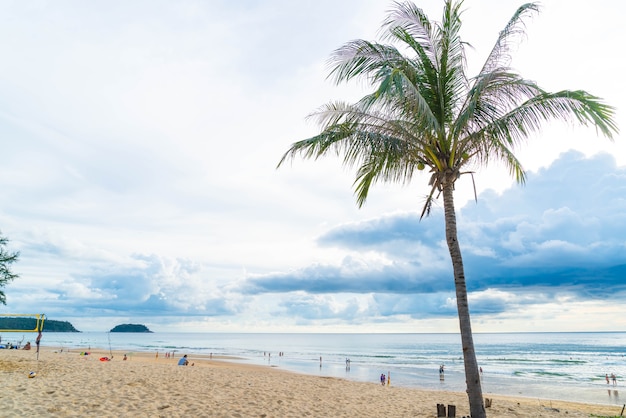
{"type": "Point", "coordinates": [383, 379]}
{"type": "Point", "coordinates": [614, 378]}
{"type": "Point", "coordinates": [607, 378]}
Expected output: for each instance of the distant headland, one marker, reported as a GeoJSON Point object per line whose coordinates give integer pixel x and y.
{"type": "Point", "coordinates": [130, 328]}
{"type": "Point", "coordinates": [28, 324]}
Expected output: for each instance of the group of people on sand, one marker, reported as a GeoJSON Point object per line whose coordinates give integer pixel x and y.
{"type": "Point", "coordinates": [12, 346]}
{"type": "Point", "coordinates": [184, 361]}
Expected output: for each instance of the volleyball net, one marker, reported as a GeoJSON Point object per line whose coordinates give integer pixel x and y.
{"type": "Point", "coordinates": [22, 322]}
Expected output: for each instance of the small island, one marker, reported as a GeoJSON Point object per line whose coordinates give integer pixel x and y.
{"type": "Point", "coordinates": [130, 328]}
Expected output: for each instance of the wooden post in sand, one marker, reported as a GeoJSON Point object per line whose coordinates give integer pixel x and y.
{"type": "Point", "coordinates": [441, 410]}
{"type": "Point", "coordinates": [451, 411]}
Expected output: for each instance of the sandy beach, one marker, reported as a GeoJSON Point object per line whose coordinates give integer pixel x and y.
{"type": "Point", "coordinates": [68, 384]}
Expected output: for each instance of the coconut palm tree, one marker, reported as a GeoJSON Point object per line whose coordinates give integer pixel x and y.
{"type": "Point", "coordinates": [425, 113]}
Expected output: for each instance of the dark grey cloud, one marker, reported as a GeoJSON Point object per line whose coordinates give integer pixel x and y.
{"type": "Point", "coordinates": [563, 230]}
{"type": "Point", "coordinates": [351, 277]}
{"type": "Point", "coordinates": [386, 231]}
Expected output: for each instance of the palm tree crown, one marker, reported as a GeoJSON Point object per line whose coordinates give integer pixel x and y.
{"type": "Point", "coordinates": [426, 112]}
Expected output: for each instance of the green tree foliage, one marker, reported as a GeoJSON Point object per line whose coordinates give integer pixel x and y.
{"type": "Point", "coordinates": [6, 259]}
{"type": "Point", "coordinates": [425, 114]}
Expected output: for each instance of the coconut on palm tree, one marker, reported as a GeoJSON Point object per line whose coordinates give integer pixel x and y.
{"type": "Point", "coordinates": [426, 114]}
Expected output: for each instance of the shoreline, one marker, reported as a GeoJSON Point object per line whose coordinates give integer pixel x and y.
{"type": "Point", "coordinates": [493, 385]}
{"type": "Point", "coordinates": [68, 384]}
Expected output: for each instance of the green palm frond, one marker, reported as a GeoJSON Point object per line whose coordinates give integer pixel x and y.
{"type": "Point", "coordinates": [565, 105]}
{"type": "Point", "coordinates": [451, 53]}
{"type": "Point", "coordinates": [388, 163]}
{"type": "Point", "coordinates": [491, 97]}
{"type": "Point", "coordinates": [360, 58]}
{"type": "Point", "coordinates": [409, 25]}
{"type": "Point", "coordinates": [514, 29]}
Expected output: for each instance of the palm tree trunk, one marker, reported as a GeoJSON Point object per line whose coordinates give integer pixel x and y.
{"type": "Point", "coordinates": [472, 376]}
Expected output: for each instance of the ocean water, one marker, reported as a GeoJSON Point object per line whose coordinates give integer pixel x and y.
{"type": "Point", "coordinates": [566, 366]}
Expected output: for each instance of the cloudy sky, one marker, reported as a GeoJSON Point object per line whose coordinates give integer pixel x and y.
{"type": "Point", "coordinates": [138, 151]}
